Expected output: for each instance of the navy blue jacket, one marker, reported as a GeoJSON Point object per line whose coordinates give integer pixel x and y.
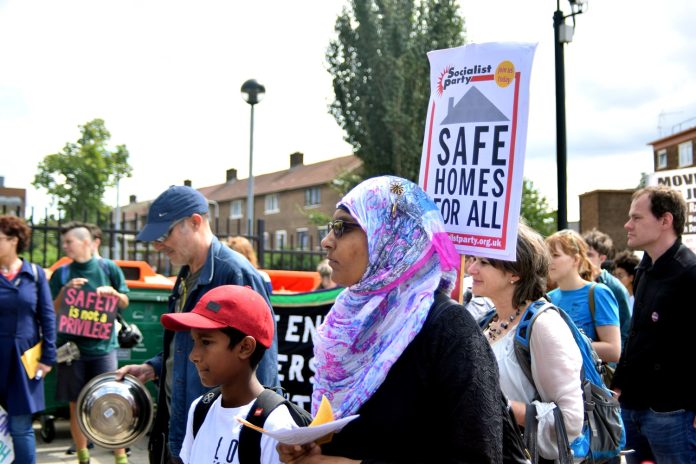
{"type": "Point", "coordinates": [222, 267]}
{"type": "Point", "coordinates": [26, 316]}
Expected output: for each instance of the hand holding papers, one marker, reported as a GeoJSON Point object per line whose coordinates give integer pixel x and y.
{"type": "Point", "coordinates": [323, 424]}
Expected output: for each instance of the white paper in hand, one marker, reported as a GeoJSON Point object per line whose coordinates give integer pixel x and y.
{"type": "Point", "coordinates": [302, 435]}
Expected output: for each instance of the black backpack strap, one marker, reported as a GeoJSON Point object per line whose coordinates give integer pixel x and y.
{"type": "Point", "coordinates": [202, 409]}
{"type": "Point", "coordinates": [265, 404]}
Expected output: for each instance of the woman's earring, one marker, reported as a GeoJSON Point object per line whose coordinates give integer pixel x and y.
{"type": "Point", "coordinates": [512, 282]}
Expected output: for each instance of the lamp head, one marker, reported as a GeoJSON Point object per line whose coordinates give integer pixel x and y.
{"type": "Point", "coordinates": [252, 91]}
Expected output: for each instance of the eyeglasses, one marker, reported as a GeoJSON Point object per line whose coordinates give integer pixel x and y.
{"type": "Point", "coordinates": [339, 226]}
{"type": "Point", "coordinates": [164, 237]}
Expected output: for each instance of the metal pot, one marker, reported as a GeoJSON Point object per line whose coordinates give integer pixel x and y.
{"type": "Point", "coordinates": [114, 414]}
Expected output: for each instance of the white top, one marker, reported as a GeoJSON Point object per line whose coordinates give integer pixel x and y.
{"type": "Point", "coordinates": [556, 365]}
{"type": "Point", "coordinates": [218, 438]}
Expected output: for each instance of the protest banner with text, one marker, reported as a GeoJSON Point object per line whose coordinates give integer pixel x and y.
{"type": "Point", "coordinates": [683, 180]}
{"type": "Point", "coordinates": [474, 143]}
{"type": "Point", "coordinates": [86, 314]}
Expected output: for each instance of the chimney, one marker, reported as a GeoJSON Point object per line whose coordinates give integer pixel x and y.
{"type": "Point", "coordinates": [2, 181]}
{"type": "Point", "coordinates": [131, 199]}
{"type": "Point", "coordinates": [231, 175]}
{"type": "Point", "coordinates": [296, 159]}
{"type": "Point", "coordinates": [187, 182]}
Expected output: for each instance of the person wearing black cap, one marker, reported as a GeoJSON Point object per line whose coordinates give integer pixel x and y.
{"type": "Point", "coordinates": [177, 224]}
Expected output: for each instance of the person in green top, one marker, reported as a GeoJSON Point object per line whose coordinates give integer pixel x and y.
{"type": "Point", "coordinates": [97, 356]}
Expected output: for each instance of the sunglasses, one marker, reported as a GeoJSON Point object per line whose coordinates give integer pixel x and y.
{"type": "Point", "coordinates": [164, 237]}
{"type": "Point", "coordinates": [339, 226]}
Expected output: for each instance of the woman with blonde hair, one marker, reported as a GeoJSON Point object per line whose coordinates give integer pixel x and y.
{"type": "Point", "coordinates": [573, 272]}
{"type": "Point", "coordinates": [243, 246]}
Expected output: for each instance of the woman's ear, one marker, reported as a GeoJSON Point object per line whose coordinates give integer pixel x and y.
{"type": "Point", "coordinates": [247, 347]}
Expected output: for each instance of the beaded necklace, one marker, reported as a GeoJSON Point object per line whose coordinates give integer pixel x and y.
{"type": "Point", "coordinates": [494, 332]}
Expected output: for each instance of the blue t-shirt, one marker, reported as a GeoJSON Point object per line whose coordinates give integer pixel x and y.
{"type": "Point", "coordinates": [576, 304]}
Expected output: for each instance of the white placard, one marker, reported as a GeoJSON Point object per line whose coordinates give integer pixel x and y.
{"type": "Point", "coordinates": [474, 143]}
{"type": "Point", "coordinates": [6, 448]}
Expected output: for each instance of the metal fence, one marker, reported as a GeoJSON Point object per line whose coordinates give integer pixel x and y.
{"type": "Point", "coordinates": [118, 242]}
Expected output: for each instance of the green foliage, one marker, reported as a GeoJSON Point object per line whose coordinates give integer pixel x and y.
{"type": "Point", "coordinates": [44, 248]}
{"type": "Point", "coordinates": [345, 181]}
{"type": "Point", "coordinates": [381, 77]}
{"type": "Point", "coordinates": [644, 180]}
{"type": "Point", "coordinates": [535, 210]}
{"type": "Point", "coordinates": [77, 176]}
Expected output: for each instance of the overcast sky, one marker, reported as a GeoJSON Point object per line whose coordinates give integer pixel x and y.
{"type": "Point", "coordinates": [165, 76]}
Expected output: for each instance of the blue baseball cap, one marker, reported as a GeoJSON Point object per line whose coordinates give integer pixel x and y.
{"type": "Point", "coordinates": [177, 202]}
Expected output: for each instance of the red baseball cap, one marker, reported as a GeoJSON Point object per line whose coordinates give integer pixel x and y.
{"type": "Point", "coordinates": [227, 306]}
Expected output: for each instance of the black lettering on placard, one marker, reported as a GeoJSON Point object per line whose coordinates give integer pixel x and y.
{"type": "Point", "coordinates": [449, 208]}
{"type": "Point", "coordinates": [497, 145]}
{"type": "Point", "coordinates": [483, 214]}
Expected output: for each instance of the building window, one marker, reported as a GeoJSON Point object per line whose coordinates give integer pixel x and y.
{"type": "Point", "coordinates": [281, 239]}
{"type": "Point", "coordinates": [661, 159]}
{"type": "Point", "coordinates": [236, 209]}
{"type": "Point", "coordinates": [686, 154]}
{"type": "Point", "coordinates": [266, 240]}
{"type": "Point", "coordinates": [302, 239]}
{"type": "Point", "coordinates": [312, 196]}
{"type": "Point", "coordinates": [322, 232]}
{"type": "Point", "coordinates": [271, 203]}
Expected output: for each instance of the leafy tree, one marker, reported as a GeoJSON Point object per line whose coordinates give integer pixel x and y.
{"type": "Point", "coordinates": [535, 210]}
{"type": "Point", "coordinates": [381, 77]}
{"type": "Point", "coordinates": [78, 175]}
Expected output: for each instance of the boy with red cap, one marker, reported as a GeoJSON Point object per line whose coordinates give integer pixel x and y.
{"type": "Point", "coordinates": [231, 327]}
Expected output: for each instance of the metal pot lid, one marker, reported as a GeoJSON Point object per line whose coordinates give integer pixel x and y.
{"type": "Point", "coordinates": [114, 414]}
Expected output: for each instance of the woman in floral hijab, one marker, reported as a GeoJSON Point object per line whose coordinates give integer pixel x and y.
{"type": "Point", "coordinates": [423, 381]}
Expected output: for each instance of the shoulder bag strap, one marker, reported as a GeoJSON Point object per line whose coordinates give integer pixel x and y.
{"type": "Point", "coordinates": [250, 439]}
{"type": "Point", "coordinates": [202, 409]}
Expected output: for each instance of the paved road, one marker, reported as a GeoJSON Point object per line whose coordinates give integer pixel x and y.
{"type": "Point", "coordinates": [54, 452]}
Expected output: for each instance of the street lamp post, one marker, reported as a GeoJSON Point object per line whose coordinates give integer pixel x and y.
{"type": "Point", "coordinates": [563, 33]}
{"type": "Point", "coordinates": [252, 93]}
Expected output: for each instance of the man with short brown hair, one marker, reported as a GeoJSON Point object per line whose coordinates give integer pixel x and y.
{"type": "Point", "coordinates": [657, 394]}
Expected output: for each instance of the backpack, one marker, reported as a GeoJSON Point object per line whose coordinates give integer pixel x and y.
{"type": "Point", "coordinates": [603, 435]}
{"type": "Point", "coordinates": [249, 439]}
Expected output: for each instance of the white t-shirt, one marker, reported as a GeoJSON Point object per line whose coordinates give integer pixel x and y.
{"type": "Point", "coordinates": [218, 438]}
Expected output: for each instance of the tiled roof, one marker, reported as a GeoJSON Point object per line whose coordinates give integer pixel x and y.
{"type": "Point", "coordinates": [301, 176]}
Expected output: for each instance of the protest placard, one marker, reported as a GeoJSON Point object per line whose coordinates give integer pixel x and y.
{"type": "Point", "coordinates": [474, 143]}
{"type": "Point", "coordinates": [86, 314]}
{"type": "Point", "coordinates": [683, 180]}
{"type": "Point", "coordinates": [6, 447]}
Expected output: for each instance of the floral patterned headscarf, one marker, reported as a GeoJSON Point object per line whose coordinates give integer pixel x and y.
{"type": "Point", "coordinates": [372, 322]}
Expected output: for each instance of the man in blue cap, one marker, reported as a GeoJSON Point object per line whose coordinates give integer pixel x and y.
{"type": "Point", "coordinates": [177, 225]}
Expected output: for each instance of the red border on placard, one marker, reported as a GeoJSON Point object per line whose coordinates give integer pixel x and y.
{"type": "Point", "coordinates": [458, 238]}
